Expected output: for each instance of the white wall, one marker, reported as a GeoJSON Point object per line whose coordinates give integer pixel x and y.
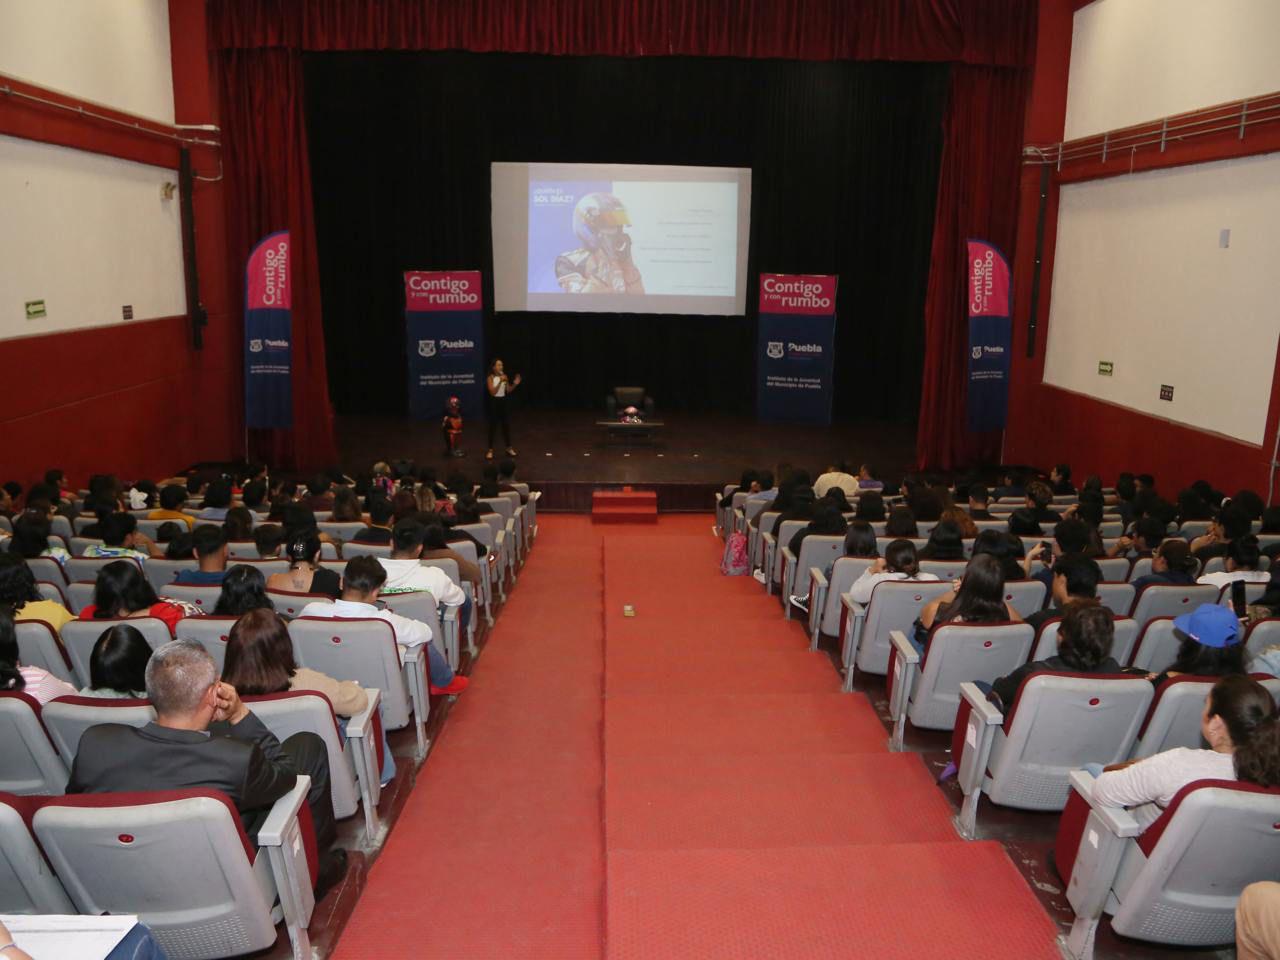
{"type": "Point", "coordinates": [113, 52]}
{"type": "Point", "coordinates": [1138, 60]}
{"type": "Point", "coordinates": [1140, 279]}
{"type": "Point", "coordinates": [88, 234]}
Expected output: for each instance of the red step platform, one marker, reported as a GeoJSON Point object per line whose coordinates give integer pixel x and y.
{"type": "Point", "coordinates": [624, 506]}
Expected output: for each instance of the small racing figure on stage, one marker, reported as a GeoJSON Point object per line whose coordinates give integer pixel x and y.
{"type": "Point", "coordinates": [451, 426]}
{"type": "Point", "coordinates": [603, 263]}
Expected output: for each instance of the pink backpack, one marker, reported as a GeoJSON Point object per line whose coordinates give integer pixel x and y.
{"type": "Point", "coordinates": [734, 562]}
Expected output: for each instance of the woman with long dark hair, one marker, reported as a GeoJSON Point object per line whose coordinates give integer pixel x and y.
{"type": "Point", "coordinates": [118, 664]}
{"type": "Point", "coordinates": [977, 597]}
{"type": "Point", "coordinates": [305, 575]}
{"type": "Point", "coordinates": [19, 595]}
{"type": "Point", "coordinates": [121, 591]}
{"type": "Point", "coordinates": [499, 387]}
{"type": "Point", "coordinates": [898, 563]}
{"type": "Point", "coordinates": [244, 588]}
{"type": "Point", "coordinates": [945, 543]}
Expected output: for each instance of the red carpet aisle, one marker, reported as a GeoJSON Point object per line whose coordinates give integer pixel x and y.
{"type": "Point", "coordinates": [498, 852]}
{"type": "Point", "coordinates": [751, 810]}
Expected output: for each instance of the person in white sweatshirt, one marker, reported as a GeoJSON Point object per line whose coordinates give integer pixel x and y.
{"type": "Point", "coordinates": [406, 572]}
{"type": "Point", "coordinates": [898, 563]}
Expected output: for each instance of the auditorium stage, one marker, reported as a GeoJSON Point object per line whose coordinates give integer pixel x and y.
{"type": "Point", "coordinates": [566, 455]}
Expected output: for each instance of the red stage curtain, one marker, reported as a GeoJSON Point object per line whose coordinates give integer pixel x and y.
{"type": "Point", "coordinates": [977, 197]}
{"type": "Point", "coordinates": [990, 32]}
{"type": "Point", "coordinates": [268, 178]}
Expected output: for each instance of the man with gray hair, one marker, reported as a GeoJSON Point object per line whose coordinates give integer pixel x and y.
{"type": "Point", "coordinates": [205, 736]}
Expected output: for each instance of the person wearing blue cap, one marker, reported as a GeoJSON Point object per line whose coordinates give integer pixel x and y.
{"type": "Point", "coordinates": [1211, 644]}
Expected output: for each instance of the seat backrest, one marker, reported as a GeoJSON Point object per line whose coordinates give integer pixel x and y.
{"type": "Point", "coordinates": [39, 646]}
{"type": "Point", "coordinates": [840, 581]}
{"type": "Point", "coordinates": [340, 530]}
{"type": "Point", "coordinates": [1116, 597]}
{"type": "Point", "coordinates": [353, 549]}
{"type": "Point", "coordinates": [882, 543]}
{"type": "Point", "coordinates": [210, 632]}
{"type": "Point", "coordinates": [1140, 568]}
{"type": "Point", "coordinates": [1252, 592]}
{"type": "Point", "coordinates": [483, 532]}
{"type": "Point", "coordinates": [465, 549]}
{"type": "Point", "coordinates": [52, 591]}
{"type": "Point", "coordinates": [501, 504]}
{"type": "Point", "coordinates": [1174, 717]}
{"type": "Point", "coordinates": [117, 853]}
{"type": "Point", "coordinates": [894, 605]}
{"type": "Point", "coordinates": [1262, 634]}
{"type": "Point", "coordinates": [417, 605]}
{"type": "Point", "coordinates": [944, 569]}
{"type": "Point", "coordinates": [786, 530]}
{"type": "Point", "coordinates": [1057, 723]}
{"type": "Point", "coordinates": [1215, 565]}
{"type": "Point", "coordinates": [448, 565]}
{"type": "Point", "coordinates": [46, 568]}
{"type": "Point", "coordinates": [86, 568]}
{"type": "Point", "coordinates": [1157, 645]}
{"type": "Point", "coordinates": [202, 596]}
{"type": "Point", "coordinates": [1166, 600]}
{"type": "Point", "coordinates": [79, 595]}
{"type": "Point", "coordinates": [67, 718]}
{"type": "Point", "coordinates": [1110, 528]}
{"type": "Point", "coordinates": [80, 636]}
{"type": "Point", "coordinates": [27, 883]}
{"type": "Point", "coordinates": [1113, 568]}
{"type": "Point", "coordinates": [1025, 596]}
{"type": "Point", "coordinates": [161, 572]}
{"type": "Point", "coordinates": [1126, 634]}
{"type": "Point", "coordinates": [1191, 529]}
{"type": "Point", "coordinates": [79, 545]}
{"type": "Point", "coordinates": [308, 711]}
{"type": "Point", "coordinates": [241, 550]}
{"type": "Point", "coordinates": [362, 650]}
{"type": "Point", "coordinates": [959, 652]}
{"type": "Point", "coordinates": [151, 528]}
{"type": "Point", "coordinates": [61, 526]}
{"type": "Point", "coordinates": [29, 763]}
{"type": "Point", "coordinates": [289, 604]}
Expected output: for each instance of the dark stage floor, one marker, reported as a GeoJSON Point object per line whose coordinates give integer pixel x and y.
{"type": "Point", "coordinates": [565, 454]}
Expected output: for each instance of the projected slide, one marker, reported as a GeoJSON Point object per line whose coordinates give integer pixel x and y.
{"type": "Point", "coordinates": [620, 238]}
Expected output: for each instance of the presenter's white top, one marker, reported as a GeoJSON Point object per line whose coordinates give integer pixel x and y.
{"type": "Point", "coordinates": [499, 386]}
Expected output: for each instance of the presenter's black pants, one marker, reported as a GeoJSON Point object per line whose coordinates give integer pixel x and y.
{"type": "Point", "coordinates": [498, 418]}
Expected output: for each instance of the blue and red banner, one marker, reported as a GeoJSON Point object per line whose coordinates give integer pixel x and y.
{"type": "Point", "coordinates": [444, 327]}
{"type": "Point", "coordinates": [990, 336]}
{"type": "Point", "coordinates": [795, 347]}
{"type": "Point", "coordinates": [268, 335]}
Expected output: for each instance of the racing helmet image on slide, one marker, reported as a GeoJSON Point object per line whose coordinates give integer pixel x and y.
{"type": "Point", "coordinates": [594, 216]}
{"type": "Point", "coordinates": [603, 263]}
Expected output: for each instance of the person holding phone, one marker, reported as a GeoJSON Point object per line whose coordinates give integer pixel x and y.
{"type": "Point", "coordinates": [499, 388]}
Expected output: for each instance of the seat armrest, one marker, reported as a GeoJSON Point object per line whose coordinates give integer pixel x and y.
{"type": "Point", "coordinates": [853, 606]}
{"type": "Point", "coordinates": [360, 725]}
{"type": "Point", "coordinates": [1118, 821]}
{"type": "Point", "coordinates": [906, 662]}
{"type": "Point", "coordinates": [982, 723]}
{"type": "Point", "coordinates": [817, 603]}
{"type": "Point", "coordinates": [366, 751]}
{"type": "Point", "coordinates": [281, 836]}
{"type": "Point", "coordinates": [818, 577]}
{"type": "Point", "coordinates": [275, 828]}
{"type": "Point", "coordinates": [850, 637]}
{"type": "Point", "coordinates": [981, 705]}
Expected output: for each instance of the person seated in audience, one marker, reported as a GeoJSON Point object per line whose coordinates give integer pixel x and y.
{"type": "Point", "coordinates": [976, 597]}
{"type": "Point", "coordinates": [1060, 481]}
{"type": "Point", "coordinates": [1270, 520]}
{"type": "Point", "coordinates": [120, 538]}
{"type": "Point", "coordinates": [20, 596]}
{"type": "Point", "coordinates": [1069, 536]}
{"type": "Point", "coordinates": [1211, 495]}
{"type": "Point", "coordinates": [269, 539]}
{"type": "Point", "coordinates": [898, 563]}
{"type": "Point", "coordinates": [1012, 484]}
{"type": "Point", "coordinates": [836, 496]}
{"type": "Point", "coordinates": [1171, 564]}
{"type": "Point", "coordinates": [34, 681]}
{"type": "Point", "coordinates": [1145, 482]}
{"type": "Point", "coordinates": [346, 507]}
{"type": "Point", "coordinates": [507, 479]}
{"type": "Point", "coordinates": [1192, 506]}
{"type": "Point", "coordinates": [1075, 581]}
{"type": "Point", "coordinates": [767, 491]}
{"type": "Point", "coordinates": [901, 523]}
{"type": "Point", "coordinates": [239, 525]}
{"type": "Point", "coordinates": [361, 587]}
{"type": "Point", "coordinates": [118, 664]}
{"type": "Point", "coordinates": [836, 476]}
{"type": "Point", "coordinates": [436, 547]}
{"type": "Point", "coordinates": [867, 481]}
{"type": "Point", "coordinates": [1126, 490]}
{"type": "Point", "coordinates": [1039, 497]}
{"type": "Point", "coordinates": [167, 531]}
{"type": "Point", "coordinates": [31, 533]}
{"type": "Point", "coordinates": [1239, 725]}
{"type": "Point", "coordinates": [172, 497]}
{"type": "Point", "coordinates": [209, 547]}
{"type": "Point", "coordinates": [488, 482]}
{"type": "Point", "coordinates": [299, 519]}
{"type": "Point", "coordinates": [205, 736]}
{"type": "Point", "coordinates": [979, 502]}
{"type": "Point", "coordinates": [179, 547]}
{"type": "Point", "coordinates": [1089, 510]}
{"type": "Point", "coordinates": [827, 521]}
{"type": "Point", "coordinates": [57, 479]}
{"type": "Point", "coordinates": [799, 506]}
{"type": "Point", "coordinates": [217, 501]}
{"type": "Point", "coordinates": [7, 504]}
{"type": "Point", "coordinates": [244, 588]}
{"type": "Point", "coordinates": [1242, 559]}
{"type": "Point", "coordinates": [946, 542]}
{"type": "Point", "coordinates": [1250, 502]}
{"type": "Point", "coordinates": [305, 575]}
{"type": "Point", "coordinates": [453, 535]}
{"type": "Point", "coordinates": [870, 507]}
{"type": "Point", "coordinates": [1023, 523]}
{"type": "Point", "coordinates": [123, 592]}
{"type": "Point", "coordinates": [407, 573]}
{"type": "Point", "coordinates": [925, 504]}
{"type": "Point", "coordinates": [99, 507]}
{"type": "Point", "coordinates": [142, 495]}
{"type": "Point", "coordinates": [1211, 644]}
{"type": "Point", "coordinates": [1257, 922]}
{"type": "Point", "coordinates": [1085, 639]}
{"type": "Point", "coordinates": [1006, 548]}
{"type": "Point", "coordinates": [320, 493]}
{"type": "Point", "coordinates": [254, 497]}
{"type": "Point", "coordinates": [860, 540]}
{"type": "Point", "coordinates": [381, 513]}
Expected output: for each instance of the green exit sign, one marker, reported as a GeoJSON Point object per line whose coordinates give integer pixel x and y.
{"type": "Point", "coordinates": [35, 309]}
{"type": "Point", "coordinates": [1105, 367]}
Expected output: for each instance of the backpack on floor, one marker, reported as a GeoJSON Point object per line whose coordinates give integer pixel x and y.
{"type": "Point", "coordinates": [734, 563]}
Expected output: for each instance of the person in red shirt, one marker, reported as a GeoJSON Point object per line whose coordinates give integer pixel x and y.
{"type": "Point", "coordinates": [123, 592]}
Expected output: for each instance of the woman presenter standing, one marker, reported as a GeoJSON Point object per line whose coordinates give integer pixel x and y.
{"type": "Point", "coordinates": [500, 388]}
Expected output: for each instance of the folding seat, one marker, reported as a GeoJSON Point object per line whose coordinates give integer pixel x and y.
{"type": "Point", "coordinates": [926, 527]}
{"type": "Point", "coordinates": [328, 551]}
{"type": "Point", "coordinates": [354, 776]}
{"type": "Point", "coordinates": [750, 510]}
{"type": "Point", "coordinates": [1057, 723]}
{"type": "Point", "coordinates": [496, 543]}
{"type": "Point", "coordinates": [1110, 528]}
{"type": "Point", "coordinates": [1267, 540]}
{"type": "Point", "coordinates": [67, 718]}
{"type": "Point", "coordinates": [816, 551]}
{"type": "Point", "coordinates": [1030, 543]}
{"type": "Point", "coordinates": [1126, 636]}
{"type": "Point", "coordinates": [161, 572]}
{"type": "Point", "coordinates": [52, 591]}
{"type": "Point", "coordinates": [1116, 597]}
{"type": "Point", "coordinates": [86, 568]}
{"type": "Point", "coordinates": [181, 861]}
{"type": "Point", "coordinates": [968, 543]}
{"type": "Point", "coordinates": [1025, 596]}
{"type": "Point", "coordinates": [79, 523]}
{"type": "Point", "coordinates": [467, 550]}
{"type": "Point", "coordinates": [825, 593]}
{"type": "Point", "coordinates": [79, 637]}
{"type": "Point", "coordinates": [339, 530]}
{"type": "Point", "coordinates": [27, 882]}
{"type": "Point", "coordinates": [79, 595]}
{"type": "Point", "coordinates": [350, 550]}
{"type": "Point", "coordinates": [1191, 529]}
{"type": "Point", "coordinates": [210, 632]}
{"type": "Point", "coordinates": [725, 515]}
{"type": "Point", "coordinates": [421, 606]}
{"type": "Point", "coordinates": [1215, 565]}
{"type": "Point", "coordinates": [322, 515]}
{"type": "Point", "coordinates": [60, 526]}
{"type": "Point", "coordinates": [366, 651]}
{"type": "Point", "coordinates": [30, 763]}
{"type": "Point", "coordinates": [202, 596]}
{"type": "Point", "coordinates": [1001, 525]}
{"type": "Point", "coordinates": [241, 550]}
{"type": "Point", "coordinates": [39, 646]}
{"type": "Point", "coordinates": [1114, 569]}
{"type": "Point", "coordinates": [882, 543]}
{"type": "Point", "coordinates": [1252, 592]}
{"type": "Point", "coordinates": [1140, 568]}
{"type": "Point", "coordinates": [530, 511]}
{"type": "Point", "coordinates": [1065, 499]}
{"type": "Point", "coordinates": [265, 567]}
{"type": "Point", "coordinates": [1174, 717]}
{"type": "Point", "coordinates": [894, 605]}
{"type": "Point", "coordinates": [772, 546]}
{"type": "Point", "coordinates": [878, 527]}
{"type": "Point", "coordinates": [289, 604]}
{"type": "Point", "coordinates": [755, 537]}
{"type": "Point", "coordinates": [944, 569]}
{"type": "Point", "coordinates": [338, 566]}
{"type": "Point", "coordinates": [1262, 634]}
{"type": "Point", "coordinates": [46, 568]}
{"type": "Point", "coordinates": [503, 507]}
{"type": "Point", "coordinates": [80, 544]}
{"type": "Point", "coordinates": [1165, 600]}
{"type": "Point", "coordinates": [1158, 645]}
{"type": "Point", "coordinates": [450, 567]}
{"type": "Point", "coordinates": [925, 687]}
{"type": "Point", "coordinates": [1176, 882]}
{"type": "Point", "coordinates": [150, 528]}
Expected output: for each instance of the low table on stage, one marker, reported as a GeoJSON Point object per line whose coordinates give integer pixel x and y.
{"type": "Point", "coordinates": [629, 432]}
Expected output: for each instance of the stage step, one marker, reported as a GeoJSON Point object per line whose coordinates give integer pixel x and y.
{"type": "Point", "coordinates": [624, 506]}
